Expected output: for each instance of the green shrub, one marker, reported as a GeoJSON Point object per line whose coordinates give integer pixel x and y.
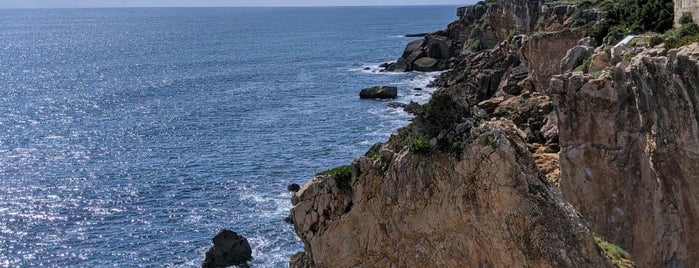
{"type": "Point", "coordinates": [686, 18]}
{"type": "Point", "coordinates": [487, 139]}
{"type": "Point", "coordinates": [686, 34]}
{"type": "Point", "coordinates": [341, 172]}
{"type": "Point", "coordinates": [655, 40]}
{"type": "Point", "coordinates": [614, 252]}
{"type": "Point", "coordinates": [585, 64]}
{"type": "Point", "coordinates": [419, 145]}
{"type": "Point", "coordinates": [373, 155]}
{"type": "Point", "coordinates": [342, 176]}
{"type": "Point", "coordinates": [625, 17]}
{"type": "Point", "coordinates": [473, 44]}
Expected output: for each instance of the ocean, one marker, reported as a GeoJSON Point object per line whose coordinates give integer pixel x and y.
{"type": "Point", "coordinates": [130, 137]}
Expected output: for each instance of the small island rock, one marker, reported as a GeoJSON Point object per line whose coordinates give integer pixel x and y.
{"type": "Point", "coordinates": [229, 249]}
{"type": "Point", "coordinates": [380, 92]}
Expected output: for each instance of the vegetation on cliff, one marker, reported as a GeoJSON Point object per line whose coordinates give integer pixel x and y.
{"type": "Point", "coordinates": [625, 17]}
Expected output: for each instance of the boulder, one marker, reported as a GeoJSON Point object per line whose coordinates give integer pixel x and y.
{"type": "Point", "coordinates": [229, 249]}
{"type": "Point", "coordinates": [293, 187]}
{"type": "Point", "coordinates": [380, 92]}
{"type": "Point", "coordinates": [413, 46]}
{"type": "Point", "coordinates": [426, 64]}
{"type": "Point", "coordinates": [575, 57]}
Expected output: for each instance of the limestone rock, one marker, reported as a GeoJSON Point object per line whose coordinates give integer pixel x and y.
{"type": "Point", "coordinates": [575, 57]}
{"type": "Point", "coordinates": [630, 152]}
{"type": "Point", "coordinates": [379, 92]}
{"type": "Point", "coordinates": [542, 54]}
{"type": "Point", "coordinates": [229, 249]}
{"type": "Point", "coordinates": [490, 209]}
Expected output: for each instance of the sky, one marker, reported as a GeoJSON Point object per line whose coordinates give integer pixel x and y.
{"type": "Point", "coordinates": [210, 3]}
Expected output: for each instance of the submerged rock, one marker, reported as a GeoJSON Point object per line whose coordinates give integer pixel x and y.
{"type": "Point", "coordinates": [229, 249]}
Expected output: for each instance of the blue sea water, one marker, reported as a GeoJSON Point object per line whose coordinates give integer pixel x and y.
{"type": "Point", "coordinates": [130, 137]}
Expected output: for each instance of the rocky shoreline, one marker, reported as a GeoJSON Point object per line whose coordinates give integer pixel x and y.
{"type": "Point", "coordinates": [539, 144]}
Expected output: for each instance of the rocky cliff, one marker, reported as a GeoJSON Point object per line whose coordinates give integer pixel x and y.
{"type": "Point", "coordinates": [474, 180]}
{"type": "Point", "coordinates": [630, 153]}
{"type": "Point", "coordinates": [489, 208]}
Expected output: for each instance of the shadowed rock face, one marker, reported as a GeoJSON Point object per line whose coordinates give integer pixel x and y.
{"type": "Point", "coordinates": [630, 154]}
{"type": "Point", "coordinates": [229, 249]}
{"type": "Point", "coordinates": [491, 208]}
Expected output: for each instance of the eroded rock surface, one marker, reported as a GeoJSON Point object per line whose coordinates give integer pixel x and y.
{"type": "Point", "coordinates": [489, 208]}
{"type": "Point", "coordinates": [630, 154]}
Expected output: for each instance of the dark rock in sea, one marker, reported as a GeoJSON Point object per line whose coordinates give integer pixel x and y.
{"type": "Point", "coordinates": [394, 104]}
{"type": "Point", "coordinates": [293, 187]}
{"type": "Point", "coordinates": [380, 92]}
{"type": "Point", "coordinates": [412, 107]}
{"type": "Point", "coordinates": [229, 249]}
{"type": "Point", "coordinates": [426, 64]}
{"type": "Point", "coordinates": [417, 89]}
{"type": "Point", "coordinates": [387, 67]}
{"type": "Point", "coordinates": [417, 35]}
{"type": "Point", "coordinates": [366, 69]}
{"type": "Point", "coordinates": [289, 219]}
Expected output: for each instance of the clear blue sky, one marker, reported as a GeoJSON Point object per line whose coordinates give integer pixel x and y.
{"type": "Point", "coordinates": [208, 3]}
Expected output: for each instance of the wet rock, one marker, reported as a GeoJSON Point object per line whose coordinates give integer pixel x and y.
{"type": "Point", "coordinates": [229, 249]}
{"type": "Point", "coordinates": [293, 187]}
{"type": "Point", "coordinates": [380, 92]}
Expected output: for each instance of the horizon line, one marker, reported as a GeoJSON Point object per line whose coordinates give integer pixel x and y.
{"type": "Point", "coordinates": [230, 6]}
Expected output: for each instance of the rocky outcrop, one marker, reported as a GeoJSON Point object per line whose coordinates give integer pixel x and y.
{"type": "Point", "coordinates": [542, 54]}
{"type": "Point", "coordinates": [229, 249]}
{"type": "Point", "coordinates": [630, 153]}
{"type": "Point", "coordinates": [489, 208]}
{"type": "Point", "coordinates": [432, 53]}
{"type": "Point", "coordinates": [380, 92]}
{"type": "Point", "coordinates": [485, 25]}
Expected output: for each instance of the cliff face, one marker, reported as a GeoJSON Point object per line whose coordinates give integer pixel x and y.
{"type": "Point", "coordinates": [630, 154]}
{"type": "Point", "coordinates": [490, 208]}
{"type": "Point", "coordinates": [471, 182]}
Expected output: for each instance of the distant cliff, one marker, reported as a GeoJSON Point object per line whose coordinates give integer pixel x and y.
{"type": "Point", "coordinates": [474, 180]}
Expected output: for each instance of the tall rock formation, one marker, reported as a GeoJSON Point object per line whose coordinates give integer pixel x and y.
{"type": "Point", "coordinates": [471, 182]}
{"type": "Point", "coordinates": [489, 208]}
{"type": "Point", "coordinates": [630, 153]}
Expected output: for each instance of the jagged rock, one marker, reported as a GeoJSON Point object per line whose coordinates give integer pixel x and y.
{"type": "Point", "coordinates": [300, 260]}
{"type": "Point", "coordinates": [426, 64]}
{"type": "Point", "coordinates": [600, 61]}
{"type": "Point", "coordinates": [629, 152]}
{"type": "Point", "coordinates": [492, 208]}
{"type": "Point", "coordinates": [542, 54]}
{"type": "Point", "coordinates": [229, 249]}
{"type": "Point", "coordinates": [412, 107]}
{"type": "Point", "coordinates": [380, 92]}
{"type": "Point", "coordinates": [575, 57]}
